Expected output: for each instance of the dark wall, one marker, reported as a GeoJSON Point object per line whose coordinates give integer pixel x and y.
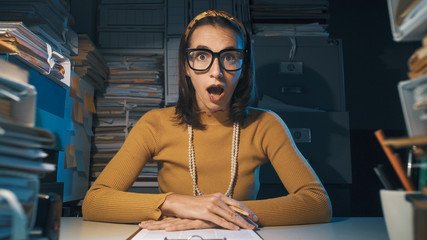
{"type": "Point", "coordinates": [373, 66]}
{"type": "Point", "coordinates": [373, 63]}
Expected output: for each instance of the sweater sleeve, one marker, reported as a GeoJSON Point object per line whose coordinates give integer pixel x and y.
{"type": "Point", "coordinates": [307, 200]}
{"type": "Point", "coordinates": [108, 200]}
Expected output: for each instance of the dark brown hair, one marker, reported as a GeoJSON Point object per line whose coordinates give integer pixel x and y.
{"type": "Point", "coordinates": [187, 110]}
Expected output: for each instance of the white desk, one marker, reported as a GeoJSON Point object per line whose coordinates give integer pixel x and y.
{"type": "Point", "coordinates": [338, 228]}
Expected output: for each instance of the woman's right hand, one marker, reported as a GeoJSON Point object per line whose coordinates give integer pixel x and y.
{"type": "Point", "coordinates": [170, 224]}
{"type": "Point", "coordinates": [214, 208]}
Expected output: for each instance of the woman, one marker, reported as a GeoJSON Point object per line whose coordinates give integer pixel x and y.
{"type": "Point", "coordinates": [209, 148]}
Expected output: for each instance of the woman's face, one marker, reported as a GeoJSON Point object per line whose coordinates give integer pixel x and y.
{"type": "Point", "coordinates": [214, 86]}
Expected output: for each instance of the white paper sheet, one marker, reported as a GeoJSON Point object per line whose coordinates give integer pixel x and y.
{"type": "Point", "coordinates": [205, 234]}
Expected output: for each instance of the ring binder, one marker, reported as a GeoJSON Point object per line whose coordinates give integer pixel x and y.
{"type": "Point", "coordinates": [196, 237]}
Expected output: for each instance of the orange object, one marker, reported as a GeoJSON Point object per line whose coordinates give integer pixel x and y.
{"type": "Point", "coordinates": [395, 162]}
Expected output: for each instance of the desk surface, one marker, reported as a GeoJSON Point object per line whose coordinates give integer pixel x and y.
{"type": "Point", "coordinates": [338, 228]}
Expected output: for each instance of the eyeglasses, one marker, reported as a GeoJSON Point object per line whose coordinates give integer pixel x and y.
{"type": "Point", "coordinates": [200, 59]}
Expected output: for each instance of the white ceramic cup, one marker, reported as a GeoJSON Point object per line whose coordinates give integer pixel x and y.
{"type": "Point", "coordinates": [398, 214]}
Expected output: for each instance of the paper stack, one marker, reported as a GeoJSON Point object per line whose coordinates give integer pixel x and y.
{"type": "Point", "coordinates": [417, 63]}
{"type": "Point", "coordinates": [17, 40]}
{"type": "Point", "coordinates": [21, 154]}
{"type": "Point", "coordinates": [49, 19]}
{"type": "Point", "coordinates": [408, 19]}
{"type": "Point", "coordinates": [413, 92]}
{"type": "Point", "coordinates": [134, 86]}
{"type": "Point", "coordinates": [17, 97]}
{"type": "Point", "coordinates": [418, 68]}
{"type": "Point", "coordinates": [90, 63]}
{"type": "Point", "coordinates": [303, 30]}
{"type": "Point", "coordinates": [290, 18]}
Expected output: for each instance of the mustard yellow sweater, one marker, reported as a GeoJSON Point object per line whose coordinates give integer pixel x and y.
{"type": "Point", "coordinates": [264, 137]}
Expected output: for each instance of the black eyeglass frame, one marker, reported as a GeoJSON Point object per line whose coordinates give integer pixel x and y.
{"type": "Point", "coordinates": [215, 55]}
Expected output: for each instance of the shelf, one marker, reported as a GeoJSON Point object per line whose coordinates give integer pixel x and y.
{"type": "Point", "coordinates": [27, 47]}
{"type": "Point", "coordinates": [414, 29]}
{"type": "Point", "coordinates": [413, 117]}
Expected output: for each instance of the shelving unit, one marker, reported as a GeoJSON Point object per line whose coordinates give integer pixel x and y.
{"type": "Point", "coordinates": [408, 22]}
{"type": "Point", "coordinates": [411, 29]}
{"type": "Point", "coordinates": [415, 119]}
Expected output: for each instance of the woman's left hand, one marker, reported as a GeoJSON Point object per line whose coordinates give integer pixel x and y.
{"type": "Point", "coordinates": [176, 224]}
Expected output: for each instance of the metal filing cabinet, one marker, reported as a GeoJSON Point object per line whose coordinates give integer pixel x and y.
{"type": "Point", "coordinates": [307, 91]}
{"type": "Point", "coordinates": [131, 24]}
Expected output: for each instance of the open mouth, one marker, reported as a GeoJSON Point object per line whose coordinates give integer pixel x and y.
{"type": "Point", "coordinates": [217, 90]}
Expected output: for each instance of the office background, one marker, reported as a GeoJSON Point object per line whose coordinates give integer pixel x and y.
{"type": "Point", "coordinates": [358, 68]}
{"type": "Point", "coordinates": [373, 65]}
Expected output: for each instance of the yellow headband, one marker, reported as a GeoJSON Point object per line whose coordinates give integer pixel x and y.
{"type": "Point", "coordinates": [214, 13]}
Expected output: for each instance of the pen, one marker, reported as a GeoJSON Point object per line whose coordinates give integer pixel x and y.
{"type": "Point", "coordinates": [244, 214]}
{"type": "Point", "coordinates": [395, 162]}
{"type": "Point", "coordinates": [240, 211]}
{"type": "Point", "coordinates": [385, 180]}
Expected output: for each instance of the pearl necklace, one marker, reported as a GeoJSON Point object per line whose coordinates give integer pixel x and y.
{"type": "Point", "coordinates": [234, 152]}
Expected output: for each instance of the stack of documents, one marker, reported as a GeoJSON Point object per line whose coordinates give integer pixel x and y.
{"type": "Point", "coordinates": [17, 218]}
{"type": "Point", "coordinates": [47, 18]}
{"type": "Point", "coordinates": [418, 61]}
{"type": "Point", "coordinates": [290, 18]}
{"type": "Point", "coordinates": [309, 30]}
{"type": "Point", "coordinates": [20, 143]}
{"type": "Point", "coordinates": [290, 10]}
{"type": "Point", "coordinates": [416, 87]}
{"type": "Point", "coordinates": [20, 147]}
{"type": "Point", "coordinates": [21, 151]}
{"type": "Point", "coordinates": [148, 175]}
{"type": "Point", "coordinates": [134, 87]}
{"type": "Point", "coordinates": [17, 97]}
{"type": "Point", "coordinates": [17, 40]}
{"type": "Point", "coordinates": [21, 165]}
{"type": "Point", "coordinates": [90, 64]}
{"type": "Point", "coordinates": [420, 100]}
{"type": "Point", "coordinates": [131, 24]}
{"type": "Point", "coordinates": [413, 97]}
{"type": "Point", "coordinates": [408, 19]}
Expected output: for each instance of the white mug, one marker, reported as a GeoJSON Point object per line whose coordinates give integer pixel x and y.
{"type": "Point", "coordinates": [398, 214]}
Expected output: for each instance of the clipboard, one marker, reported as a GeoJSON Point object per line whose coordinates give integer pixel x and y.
{"type": "Point", "coordinates": [193, 237]}
{"type": "Point", "coordinates": [197, 234]}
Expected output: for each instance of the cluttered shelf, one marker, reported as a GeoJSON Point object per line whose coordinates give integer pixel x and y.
{"type": "Point", "coordinates": [405, 210]}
